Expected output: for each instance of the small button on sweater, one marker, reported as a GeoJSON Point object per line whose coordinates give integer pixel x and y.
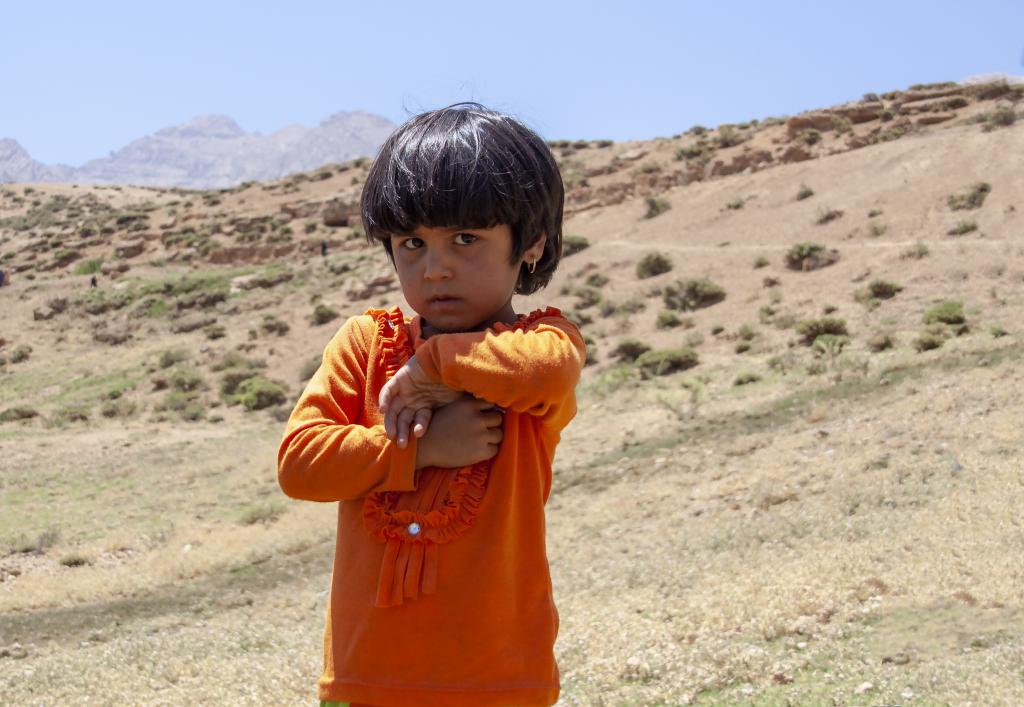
{"type": "Point", "coordinates": [441, 592]}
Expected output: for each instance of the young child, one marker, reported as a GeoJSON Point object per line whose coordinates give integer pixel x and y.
{"type": "Point", "coordinates": [436, 434]}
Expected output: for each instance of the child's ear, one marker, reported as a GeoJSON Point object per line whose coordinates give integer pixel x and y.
{"type": "Point", "coordinates": [536, 251]}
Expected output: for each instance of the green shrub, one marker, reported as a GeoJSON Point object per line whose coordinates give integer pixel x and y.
{"type": "Point", "coordinates": [880, 342]}
{"type": "Point", "coordinates": [947, 312]}
{"type": "Point", "coordinates": [692, 294]}
{"type": "Point", "coordinates": [653, 264]}
{"type": "Point", "coordinates": [630, 350]}
{"type": "Point", "coordinates": [746, 378]}
{"type": "Point", "coordinates": [323, 314]}
{"type": "Point", "coordinates": [874, 212]}
{"type": "Point", "coordinates": [742, 347]}
{"type": "Point", "coordinates": [18, 413]}
{"type": "Point", "coordinates": [735, 204]}
{"type": "Point", "coordinates": [661, 363]}
{"type": "Point", "coordinates": [809, 256]}
{"type": "Point", "coordinates": [118, 408]}
{"type": "Point", "coordinates": [656, 207]}
{"type": "Point", "coordinates": [828, 215]}
{"type": "Point", "coordinates": [89, 267]}
{"type": "Point", "coordinates": [810, 136]}
{"type": "Point", "coordinates": [588, 297]}
{"type": "Point", "coordinates": [728, 136]}
{"type": "Point", "coordinates": [760, 262]}
{"type": "Point", "coordinates": [717, 329]}
{"type": "Point", "coordinates": [972, 199]}
{"type": "Point", "coordinates": [882, 289]}
{"type": "Point", "coordinates": [573, 244]}
{"type": "Point", "coordinates": [257, 392]}
{"type": "Point", "coordinates": [597, 280]}
{"type": "Point", "coordinates": [309, 368]}
{"type": "Point", "coordinates": [265, 513]}
{"type": "Point", "coordinates": [998, 332]}
{"type": "Point", "coordinates": [916, 252]}
{"type": "Point", "coordinates": [805, 192]}
{"type": "Point", "coordinates": [187, 380]}
{"type": "Point", "coordinates": [667, 320]}
{"type": "Point", "coordinates": [962, 227]}
{"type": "Point", "coordinates": [172, 356]}
{"type": "Point", "coordinates": [273, 325]}
{"type": "Point", "coordinates": [811, 329]}
{"type": "Point", "coordinates": [215, 331]}
{"type": "Point", "coordinates": [928, 341]}
{"type": "Point", "coordinates": [21, 353]}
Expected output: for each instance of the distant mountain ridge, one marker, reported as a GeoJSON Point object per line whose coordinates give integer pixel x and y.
{"type": "Point", "coordinates": [211, 151]}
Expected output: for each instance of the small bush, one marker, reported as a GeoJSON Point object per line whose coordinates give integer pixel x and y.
{"type": "Point", "coordinates": [810, 256]}
{"type": "Point", "coordinates": [273, 325]}
{"type": "Point", "coordinates": [588, 297]}
{"type": "Point", "coordinates": [630, 350]}
{"type": "Point", "coordinates": [18, 413]}
{"type": "Point", "coordinates": [811, 329]}
{"type": "Point", "coordinates": [661, 363]}
{"type": "Point", "coordinates": [746, 378]}
{"type": "Point", "coordinates": [915, 252]}
{"type": "Point", "coordinates": [653, 264]}
{"type": "Point", "coordinates": [928, 341]}
{"type": "Point", "coordinates": [882, 289]}
{"type": "Point", "coordinates": [717, 329]}
{"type": "Point", "coordinates": [257, 392]}
{"type": "Point", "coordinates": [760, 262]}
{"type": "Point", "coordinates": [21, 353]}
{"type": "Point", "coordinates": [656, 207]}
{"type": "Point", "coordinates": [972, 199]}
{"type": "Point", "coordinates": [874, 212]}
{"type": "Point", "coordinates": [805, 192]}
{"type": "Point", "coordinates": [215, 331]}
{"type": "Point", "coordinates": [573, 244]}
{"type": "Point", "coordinates": [742, 347]}
{"type": "Point", "coordinates": [89, 267]}
{"type": "Point", "coordinates": [962, 227]}
{"type": "Point", "coordinates": [118, 408]}
{"type": "Point", "coordinates": [172, 356]}
{"type": "Point", "coordinates": [728, 136]}
{"type": "Point", "coordinates": [265, 513]}
{"type": "Point", "coordinates": [1003, 116]}
{"type": "Point", "coordinates": [828, 215]}
{"type": "Point", "coordinates": [735, 204]}
{"type": "Point", "coordinates": [692, 294]}
{"type": "Point", "coordinates": [309, 368]}
{"type": "Point", "coordinates": [998, 332]}
{"type": "Point", "coordinates": [187, 380]}
{"type": "Point", "coordinates": [947, 312]}
{"type": "Point", "coordinates": [880, 342]}
{"type": "Point", "coordinates": [323, 314]}
{"type": "Point", "coordinates": [667, 320]}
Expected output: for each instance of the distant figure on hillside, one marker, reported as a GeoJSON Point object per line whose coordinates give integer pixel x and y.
{"type": "Point", "coordinates": [323, 249]}
{"type": "Point", "coordinates": [94, 281]}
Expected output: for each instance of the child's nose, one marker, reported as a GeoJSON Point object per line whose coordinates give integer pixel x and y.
{"type": "Point", "coordinates": [436, 267]}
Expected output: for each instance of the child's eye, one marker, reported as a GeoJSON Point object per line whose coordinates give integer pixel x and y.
{"type": "Point", "coordinates": [467, 235]}
{"type": "Point", "coordinates": [407, 241]}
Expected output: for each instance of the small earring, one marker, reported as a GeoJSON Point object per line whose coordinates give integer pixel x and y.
{"type": "Point", "coordinates": [533, 266]}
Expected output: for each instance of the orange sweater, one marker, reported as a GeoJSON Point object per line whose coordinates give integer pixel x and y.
{"type": "Point", "coordinates": [441, 593]}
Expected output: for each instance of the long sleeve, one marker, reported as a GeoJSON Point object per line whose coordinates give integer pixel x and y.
{"type": "Point", "coordinates": [532, 370]}
{"type": "Point", "coordinates": [325, 455]}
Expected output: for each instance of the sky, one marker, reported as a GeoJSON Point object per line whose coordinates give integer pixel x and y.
{"type": "Point", "coordinates": [82, 79]}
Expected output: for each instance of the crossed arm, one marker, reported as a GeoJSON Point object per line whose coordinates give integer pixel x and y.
{"type": "Point", "coordinates": [530, 371]}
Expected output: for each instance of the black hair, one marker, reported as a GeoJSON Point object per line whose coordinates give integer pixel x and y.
{"type": "Point", "coordinates": [471, 167]}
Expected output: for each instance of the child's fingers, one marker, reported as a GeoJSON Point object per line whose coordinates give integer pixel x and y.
{"type": "Point", "coordinates": [404, 421]}
{"type": "Point", "coordinates": [422, 421]}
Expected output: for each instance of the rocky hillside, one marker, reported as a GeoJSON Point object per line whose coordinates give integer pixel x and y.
{"type": "Point", "coordinates": [211, 151]}
{"type": "Point", "coordinates": [794, 476]}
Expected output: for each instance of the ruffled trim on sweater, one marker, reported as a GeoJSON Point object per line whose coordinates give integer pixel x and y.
{"type": "Point", "coordinates": [410, 560]}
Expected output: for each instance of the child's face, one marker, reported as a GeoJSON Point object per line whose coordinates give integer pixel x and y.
{"type": "Point", "coordinates": [469, 266]}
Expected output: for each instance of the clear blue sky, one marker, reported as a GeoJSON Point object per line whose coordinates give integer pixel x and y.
{"type": "Point", "coordinates": [80, 79]}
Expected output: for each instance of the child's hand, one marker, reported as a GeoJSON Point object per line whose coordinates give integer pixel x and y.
{"type": "Point", "coordinates": [408, 400]}
{"type": "Point", "coordinates": [475, 423]}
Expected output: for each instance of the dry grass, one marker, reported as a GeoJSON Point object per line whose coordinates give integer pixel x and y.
{"type": "Point", "coordinates": [842, 532]}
